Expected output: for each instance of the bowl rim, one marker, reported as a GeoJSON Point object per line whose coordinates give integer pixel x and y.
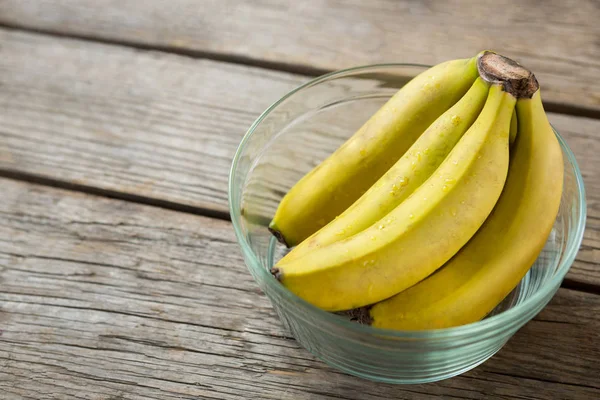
{"type": "Point", "coordinates": [479, 327]}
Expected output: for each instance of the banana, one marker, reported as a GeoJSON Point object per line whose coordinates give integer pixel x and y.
{"type": "Point", "coordinates": [409, 172]}
{"type": "Point", "coordinates": [513, 128]}
{"type": "Point", "coordinates": [421, 233]}
{"type": "Point", "coordinates": [493, 262]}
{"type": "Point", "coordinates": [337, 182]}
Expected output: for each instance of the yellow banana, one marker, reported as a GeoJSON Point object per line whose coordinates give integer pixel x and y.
{"type": "Point", "coordinates": [513, 127]}
{"type": "Point", "coordinates": [421, 233]}
{"type": "Point", "coordinates": [493, 262]}
{"type": "Point", "coordinates": [336, 183]}
{"type": "Point", "coordinates": [409, 172]}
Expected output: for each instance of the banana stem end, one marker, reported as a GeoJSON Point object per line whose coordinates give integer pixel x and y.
{"type": "Point", "coordinates": [278, 236]}
{"type": "Point", "coordinates": [277, 273]}
{"type": "Point", "coordinates": [361, 315]}
{"type": "Point", "coordinates": [514, 78]}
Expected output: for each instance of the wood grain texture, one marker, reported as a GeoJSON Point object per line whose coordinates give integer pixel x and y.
{"type": "Point", "coordinates": [166, 127]}
{"type": "Point", "coordinates": [159, 126]}
{"type": "Point", "coordinates": [558, 40]}
{"type": "Point", "coordinates": [107, 299]}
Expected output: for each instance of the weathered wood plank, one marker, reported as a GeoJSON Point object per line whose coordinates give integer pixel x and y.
{"type": "Point", "coordinates": [560, 41]}
{"type": "Point", "coordinates": [102, 298]}
{"type": "Point", "coordinates": [166, 127]}
{"type": "Point", "coordinates": [158, 126]}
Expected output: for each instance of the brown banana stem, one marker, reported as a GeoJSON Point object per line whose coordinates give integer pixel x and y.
{"type": "Point", "coordinates": [360, 315]}
{"type": "Point", "coordinates": [514, 78]}
{"type": "Point", "coordinates": [278, 236]}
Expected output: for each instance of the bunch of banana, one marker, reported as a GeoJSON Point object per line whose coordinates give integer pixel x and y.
{"type": "Point", "coordinates": [406, 175]}
{"type": "Point", "coordinates": [332, 186]}
{"type": "Point", "coordinates": [493, 262]}
{"type": "Point", "coordinates": [452, 225]}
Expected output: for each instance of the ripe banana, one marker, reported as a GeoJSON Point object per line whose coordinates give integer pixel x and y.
{"type": "Point", "coordinates": [493, 262]}
{"type": "Point", "coordinates": [513, 128]}
{"type": "Point", "coordinates": [413, 168]}
{"type": "Point", "coordinates": [421, 233]}
{"type": "Point", "coordinates": [336, 183]}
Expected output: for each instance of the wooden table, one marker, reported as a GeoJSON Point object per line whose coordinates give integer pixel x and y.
{"type": "Point", "coordinates": [120, 277]}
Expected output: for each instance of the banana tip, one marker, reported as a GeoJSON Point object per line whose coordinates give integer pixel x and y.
{"type": "Point", "coordinates": [278, 235]}
{"type": "Point", "coordinates": [277, 273]}
{"type": "Point", "coordinates": [362, 315]}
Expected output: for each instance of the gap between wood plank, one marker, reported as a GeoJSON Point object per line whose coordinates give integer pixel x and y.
{"type": "Point", "coordinates": [580, 286]}
{"type": "Point", "coordinates": [113, 194]}
{"type": "Point", "coordinates": [45, 181]}
{"type": "Point", "coordinates": [299, 69]}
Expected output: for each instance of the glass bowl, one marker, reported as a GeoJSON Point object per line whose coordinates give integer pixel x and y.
{"type": "Point", "coordinates": [295, 134]}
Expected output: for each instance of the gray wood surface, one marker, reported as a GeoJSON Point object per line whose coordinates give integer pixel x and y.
{"type": "Point", "coordinates": [558, 40]}
{"type": "Point", "coordinates": [158, 126]}
{"type": "Point", "coordinates": [108, 299]}
{"type": "Point", "coordinates": [103, 297]}
{"type": "Point", "coordinates": [165, 127]}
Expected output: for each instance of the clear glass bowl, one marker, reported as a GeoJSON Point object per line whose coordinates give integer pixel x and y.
{"type": "Point", "coordinates": [298, 132]}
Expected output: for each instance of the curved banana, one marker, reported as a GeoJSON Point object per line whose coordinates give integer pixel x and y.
{"type": "Point", "coordinates": [493, 262]}
{"type": "Point", "coordinates": [336, 183]}
{"type": "Point", "coordinates": [409, 172]}
{"type": "Point", "coordinates": [421, 233]}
